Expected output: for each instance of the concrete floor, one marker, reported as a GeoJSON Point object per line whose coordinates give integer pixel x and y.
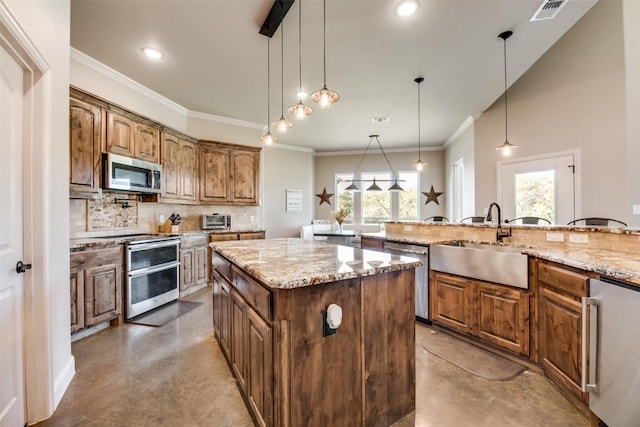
{"type": "Point", "coordinates": [176, 375]}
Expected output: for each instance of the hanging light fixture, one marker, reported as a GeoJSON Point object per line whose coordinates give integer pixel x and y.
{"type": "Point", "coordinates": [374, 186]}
{"type": "Point", "coordinates": [282, 124]}
{"type": "Point", "coordinates": [300, 111]}
{"type": "Point", "coordinates": [268, 138]}
{"type": "Point", "coordinates": [324, 96]}
{"type": "Point", "coordinates": [506, 147]}
{"type": "Point", "coordinates": [419, 164]}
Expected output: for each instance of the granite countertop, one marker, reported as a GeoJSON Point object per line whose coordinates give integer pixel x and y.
{"type": "Point", "coordinates": [293, 263]}
{"type": "Point", "coordinates": [107, 241]}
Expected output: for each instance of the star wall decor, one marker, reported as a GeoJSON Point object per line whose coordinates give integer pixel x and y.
{"type": "Point", "coordinates": [325, 197]}
{"type": "Point", "coordinates": [432, 196]}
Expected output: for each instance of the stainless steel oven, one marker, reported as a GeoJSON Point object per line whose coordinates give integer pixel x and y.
{"type": "Point", "coordinates": [153, 274]}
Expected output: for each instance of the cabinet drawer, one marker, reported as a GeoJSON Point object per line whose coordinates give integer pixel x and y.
{"type": "Point", "coordinates": [563, 279]}
{"type": "Point", "coordinates": [95, 257]}
{"type": "Point", "coordinates": [222, 266]}
{"type": "Point", "coordinates": [194, 240]}
{"type": "Point", "coordinates": [257, 296]}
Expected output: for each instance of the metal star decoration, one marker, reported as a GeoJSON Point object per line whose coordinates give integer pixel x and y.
{"type": "Point", "coordinates": [325, 197]}
{"type": "Point", "coordinates": [432, 196]}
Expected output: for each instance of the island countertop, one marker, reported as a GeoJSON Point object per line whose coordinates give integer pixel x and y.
{"type": "Point", "coordinates": [293, 263]}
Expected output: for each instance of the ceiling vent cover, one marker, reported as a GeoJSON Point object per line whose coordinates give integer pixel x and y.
{"type": "Point", "coordinates": [548, 10]}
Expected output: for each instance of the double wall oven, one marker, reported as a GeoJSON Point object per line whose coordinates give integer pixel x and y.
{"type": "Point", "coordinates": [153, 273]}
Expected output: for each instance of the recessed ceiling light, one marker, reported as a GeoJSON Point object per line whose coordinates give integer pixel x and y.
{"type": "Point", "coordinates": [407, 7]}
{"type": "Point", "coordinates": [152, 53]}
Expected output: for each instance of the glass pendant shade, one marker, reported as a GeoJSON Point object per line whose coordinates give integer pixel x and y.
{"type": "Point", "coordinates": [506, 148]}
{"type": "Point", "coordinates": [300, 111]}
{"type": "Point", "coordinates": [419, 165]}
{"type": "Point", "coordinates": [268, 138]}
{"type": "Point", "coordinates": [374, 186]}
{"type": "Point", "coordinates": [282, 124]}
{"type": "Point", "coordinates": [324, 96]}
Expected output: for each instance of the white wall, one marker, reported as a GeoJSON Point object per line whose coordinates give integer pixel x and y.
{"type": "Point", "coordinates": [47, 23]}
{"type": "Point", "coordinates": [462, 147]}
{"type": "Point", "coordinates": [433, 174]}
{"type": "Point", "coordinates": [286, 168]}
{"type": "Point", "coordinates": [572, 98]}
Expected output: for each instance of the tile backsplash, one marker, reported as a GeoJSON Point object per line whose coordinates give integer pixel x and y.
{"type": "Point", "coordinates": [89, 218]}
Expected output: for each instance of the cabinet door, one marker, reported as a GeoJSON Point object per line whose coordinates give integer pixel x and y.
{"type": "Point", "coordinates": [451, 300]}
{"type": "Point", "coordinates": [120, 134]}
{"type": "Point", "coordinates": [225, 317]}
{"type": "Point", "coordinates": [147, 143]}
{"type": "Point", "coordinates": [102, 293]}
{"type": "Point", "coordinates": [223, 237]}
{"type": "Point", "coordinates": [560, 338]}
{"type": "Point", "coordinates": [502, 317]}
{"type": "Point", "coordinates": [214, 174]}
{"type": "Point", "coordinates": [260, 368]}
{"type": "Point", "coordinates": [187, 264]}
{"type": "Point", "coordinates": [239, 338]}
{"type": "Point", "coordinates": [170, 166]}
{"type": "Point", "coordinates": [84, 149]}
{"type": "Point", "coordinates": [368, 243]}
{"type": "Point", "coordinates": [245, 175]}
{"type": "Point", "coordinates": [251, 236]}
{"type": "Point", "coordinates": [76, 283]}
{"type": "Point", "coordinates": [188, 171]}
{"type": "Point", "coordinates": [201, 269]}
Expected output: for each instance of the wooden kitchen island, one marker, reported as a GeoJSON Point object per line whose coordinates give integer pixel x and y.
{"type": "Point", "coordinates": [270, 300]}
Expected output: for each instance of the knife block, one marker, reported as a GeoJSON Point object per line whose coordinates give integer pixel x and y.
{"type": "Point", "coordinates": [168, 227]}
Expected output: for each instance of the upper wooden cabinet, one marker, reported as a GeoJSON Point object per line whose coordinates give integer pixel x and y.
{"type": "Point", "coordinates": [229, 173]}
{"type": "Point", "coordinates": [179, 167]}
{"type": "Point", "coordinates": [85, 123]}
{"type": "Point", "coordinates": [128, 137]}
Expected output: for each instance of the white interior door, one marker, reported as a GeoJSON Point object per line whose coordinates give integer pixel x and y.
{"type": "Point", "coordinates": [12, 408]}
{"type": "Point", "coordinates": [542, 187]}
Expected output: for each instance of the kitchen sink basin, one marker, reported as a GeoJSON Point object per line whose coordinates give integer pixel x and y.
{"type": "Point", "coordinates": [493, 263]}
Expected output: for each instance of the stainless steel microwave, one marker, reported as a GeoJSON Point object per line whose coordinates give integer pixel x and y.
{"type": "Point", "coordinates": [128, 174]}
{"type": "Point", "coordinates": [216, 222]}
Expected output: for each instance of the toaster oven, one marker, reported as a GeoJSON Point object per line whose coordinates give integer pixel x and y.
{"type": "Point", "coordinates": [216, 222]}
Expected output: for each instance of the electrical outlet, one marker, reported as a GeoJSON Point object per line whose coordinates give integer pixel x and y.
{"type": "Point", "coordinates": [252, 219]}
{"type": "Point", "coordinates": [578, 238]}
{"type": "Point", "coordinates": [555, 237]}
{"type": "Point", "coordinates": [636, 209]}
{"type": "Point", "coordinates": [408, 228]}
{"type": "Point", "coordinates": [161, 218]}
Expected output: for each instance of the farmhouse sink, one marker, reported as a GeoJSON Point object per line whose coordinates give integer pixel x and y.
{"type": "Point", "coordinates": [493, 263]}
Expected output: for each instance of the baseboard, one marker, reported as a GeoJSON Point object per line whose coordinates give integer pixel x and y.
{"type": "Point", "coordinates": [63, 380]}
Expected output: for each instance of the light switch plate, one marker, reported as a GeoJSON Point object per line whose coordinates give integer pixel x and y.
{"type": "Point", "coordinates": [555, 237]}
{"type": "Point", "coordinates": [578, 238]}
{"type": "Point", "coordinates": [636, 209]}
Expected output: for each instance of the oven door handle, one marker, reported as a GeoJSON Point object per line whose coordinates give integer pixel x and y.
{"type": "Point", "coordinates": [153, 269]}
{"type": "Point", "coordinates": [145, 246]}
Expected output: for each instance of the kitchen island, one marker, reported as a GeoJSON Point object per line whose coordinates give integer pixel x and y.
{"type": "Point", "coordinates": [276, 316]}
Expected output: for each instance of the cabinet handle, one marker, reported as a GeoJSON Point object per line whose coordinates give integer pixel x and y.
{"type": "Point", "coordinates": [590, 318]}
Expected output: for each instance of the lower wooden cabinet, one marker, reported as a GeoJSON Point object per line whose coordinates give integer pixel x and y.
{"type": "Point", "coordinates": [495, 313]}
{"type": "Point", "coordinates": [236, 235]}
{"type": "Point", "coordinates": [371, 243]}
{"type": "Point", "coordinates": [194, 265]}
{"type": "Point", "coordinates": [560, 324]}
{"type": "Point", "coordinates": [95, 286]}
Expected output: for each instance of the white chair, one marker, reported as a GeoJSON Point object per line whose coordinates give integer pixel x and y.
{"type": "Point", "coordinates": [306, 232]}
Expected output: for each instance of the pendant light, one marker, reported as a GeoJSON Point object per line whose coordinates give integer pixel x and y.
{"type": "Point", "coordinates": [374, 186]}
{"type": "Point", "coordinates": [268, 138]}
{"type": "Point", "coordinates": [419, 164]}
{"type": "Point", "coordinates": [506, 147]}
{"type": "Point", "coordinates": [282, 124]}
{"type": "Point", "coordinates": [324, 96]}
{"type": "Point", "coordinates": [300, 111]}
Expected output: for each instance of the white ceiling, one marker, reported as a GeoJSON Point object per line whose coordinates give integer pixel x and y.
{"type": "Point", "coordinates": [215, 60]}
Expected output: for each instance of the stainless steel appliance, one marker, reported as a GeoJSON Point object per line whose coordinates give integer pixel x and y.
{"type": "Point", "coordinates": [153, 272]}
{"type": "Point", "coordinates": [127, 174]}
{"type": "Point", "coordinates": [422, 274]}
{"type": "Point", "coordinates": [611, 315]}
{"type": "Point", "coordinates": [216, 222]}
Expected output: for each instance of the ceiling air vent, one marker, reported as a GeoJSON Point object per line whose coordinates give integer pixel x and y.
{"type": "Point", "coordinates": [548, 10]}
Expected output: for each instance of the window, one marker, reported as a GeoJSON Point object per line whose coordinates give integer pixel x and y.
{"type": "Point", "coordinates": [458, 189]}
{"type": "Point", "coordinates": [376, 205]}
{"type": "Point", "coordinates": [345, 198]}
{"type": "Point", "coordinates": [535, 194]}
{"type": "Point", "coordinates": [408, 208]}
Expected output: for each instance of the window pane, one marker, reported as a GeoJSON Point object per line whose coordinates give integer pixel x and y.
{"type": "Point", "coordinates": [535, 194]}
{"type": "Point", "coordinates": [344, 198]}
{"type": "Point", "coordinates": [408, 198]}
{"type": "Point", "coordinates": [376, 205]}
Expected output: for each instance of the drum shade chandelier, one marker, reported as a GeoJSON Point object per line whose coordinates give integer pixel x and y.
{"type": "Point", "coordinates": [374, 186]}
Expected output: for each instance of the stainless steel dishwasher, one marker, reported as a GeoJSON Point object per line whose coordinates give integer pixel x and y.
{"type": "Point", "coordinates": [422, 274]}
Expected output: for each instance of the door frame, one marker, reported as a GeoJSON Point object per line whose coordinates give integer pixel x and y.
{"type": "Point", "coordinates": [577, 175]}
{"type": "Point", "coordinates": [39, 387]}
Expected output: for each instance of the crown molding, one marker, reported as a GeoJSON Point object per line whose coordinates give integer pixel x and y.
{"type": "Point", "coordinates": [467, 122]}
{"type": "Point", "coordinates": [225, 120]}
{"type": "Point", "coordinates": [292, 148]}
